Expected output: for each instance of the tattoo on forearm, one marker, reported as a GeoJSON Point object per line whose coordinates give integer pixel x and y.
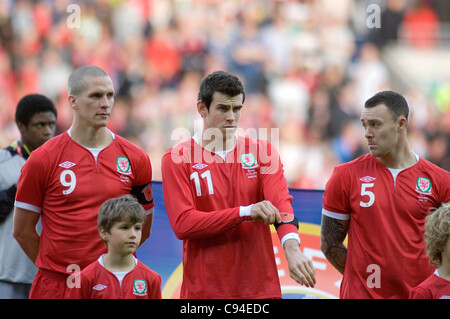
{"type": "Point", "coordinates": [333, 232]}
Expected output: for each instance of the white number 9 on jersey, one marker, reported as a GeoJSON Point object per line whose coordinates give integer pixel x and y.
{"type": "Point", "coordinates": [70, 182]}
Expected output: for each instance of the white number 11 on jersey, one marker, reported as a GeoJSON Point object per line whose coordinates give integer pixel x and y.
{"type": "Point", "coordinates": [207, 175]}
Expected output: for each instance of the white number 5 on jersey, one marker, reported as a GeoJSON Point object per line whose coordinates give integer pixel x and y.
{"type": "Point", "coordinates": [365, 192]}
{"type": "Point", "coordinates": [68, 179]}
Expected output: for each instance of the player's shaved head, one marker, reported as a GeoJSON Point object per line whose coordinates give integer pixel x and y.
{"type": "Point", "coordinates": [76, 83]}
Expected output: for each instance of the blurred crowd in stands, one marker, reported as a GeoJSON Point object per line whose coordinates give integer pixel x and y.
{"type": "Point", "coordinates": [308, 66]}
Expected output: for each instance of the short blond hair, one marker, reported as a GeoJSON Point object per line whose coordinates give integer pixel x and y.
{"type": "Point", "coordinates": [437, 232]}
{"type": "Point", "coordinates": [76, 83]}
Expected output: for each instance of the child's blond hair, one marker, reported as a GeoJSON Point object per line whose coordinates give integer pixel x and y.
{"type": "Point", "coordinates": [437, 232]}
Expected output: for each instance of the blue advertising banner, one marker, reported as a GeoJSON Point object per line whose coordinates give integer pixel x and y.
{"type": "Point", "coordinates": [162, 252]}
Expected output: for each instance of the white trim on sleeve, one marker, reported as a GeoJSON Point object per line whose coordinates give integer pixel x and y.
{"type": "Point", "coordinates": [149, 211]}
{"type": "Point", "coordinates": [26, 206]}
{"type": "Point", "coordinates": [290, 236]}
{"type": "Point", "coordinates": [335, 215]}
{"type": "Point", "coordinates": [245, 210]}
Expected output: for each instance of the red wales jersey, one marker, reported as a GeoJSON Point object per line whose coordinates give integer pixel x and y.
{"type": "Point", "coordinates": [65, 184]}
{"type": "Point", "coordinates": [386, 246]}
{"type": "Point", "coordinates": [434, 287]}
{"type": "Point", "coordinates": [97, 282]}
{"type": "Point", "coordinates": [225, 255]}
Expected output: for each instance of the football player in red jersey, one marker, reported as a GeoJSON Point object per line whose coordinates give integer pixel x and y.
{"type": "Point", "coordinates": [221, 192]}
{"type": "Point", "coordinates": [65, 182]}
{"type": "Point", "coordinates": [381, 200]}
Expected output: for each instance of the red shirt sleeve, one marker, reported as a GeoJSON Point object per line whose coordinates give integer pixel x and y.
{"type": "Point", "coordinates": [275, 185]}
{"type": "Point", "coordinates": [31, 184]}
{"type": "Point", "coordinates": [419, 293]}
{"type": "Point", "coordinates": [187, 221]}
{"type": "Point", "coordinates": [335, 198]}
{"type": "Point", "coordinates": [142, 187]}
{"type": "Point", "coordinates": [155, 290]}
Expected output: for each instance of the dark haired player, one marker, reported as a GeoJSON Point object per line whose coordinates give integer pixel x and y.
{"type": "Point", "coordinates": [36, 120]}
{"type": "Point", "coordinates": [221, 193]}
{"type": "Point", "coordinates": [381, 199]}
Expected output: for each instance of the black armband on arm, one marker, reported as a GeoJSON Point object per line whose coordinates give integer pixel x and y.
{"type": "Point", "coordinates": [143, 193]}
{"type": "Point", "coordinates": [287, 218]}
{"type": "Point", "coordinates": [7, 202]}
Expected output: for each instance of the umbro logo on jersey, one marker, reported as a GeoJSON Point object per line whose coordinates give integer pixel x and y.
{"type": "Point", "coordinates": [67, 164]}
{"type": "Point", "coordinates": [99, 287]}
{"type": "Point", "coordinates": [199, 166]}
{"type": "Point", "coordinates": [367, 179]}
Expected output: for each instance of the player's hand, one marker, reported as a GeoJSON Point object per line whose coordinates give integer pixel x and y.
{"type": "Point", "coordinates": [301, 268]}
{"type": "Point", "coordinates": [265, 212]}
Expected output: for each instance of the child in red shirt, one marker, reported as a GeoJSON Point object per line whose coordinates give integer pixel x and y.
{"type": "Point", "coordinates": [437, 237]}
{"type": "Point", "coordinates": [118, 274]}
